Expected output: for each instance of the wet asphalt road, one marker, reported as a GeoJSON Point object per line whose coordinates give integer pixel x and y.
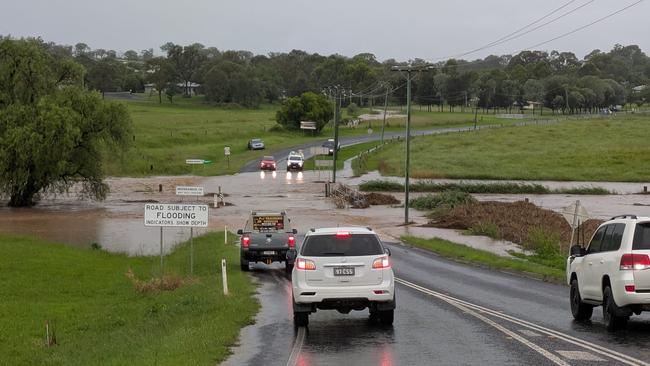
{"type": "Point", "coordinates": [447, 314]}
{"type": "Point", "coordinates": [281, 155]}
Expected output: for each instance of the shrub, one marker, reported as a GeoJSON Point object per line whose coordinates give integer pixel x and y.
{"type": "Point", "coordinates": [381, 185]}
{"type": "Point", "coordinates": [445, 198]}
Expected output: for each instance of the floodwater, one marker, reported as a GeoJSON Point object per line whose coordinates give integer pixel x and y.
{"type": "Point", "coordinates": [117, 223]}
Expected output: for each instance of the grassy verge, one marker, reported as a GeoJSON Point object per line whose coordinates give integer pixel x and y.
{"type": "Point", "coordinates": [496, 188]}
{"type": "Point", "coordinates": [464, 253]}
{"type": "Point", "coordinates": [100, 319]}
{"type": "Point", "coordinates": [588, 150]}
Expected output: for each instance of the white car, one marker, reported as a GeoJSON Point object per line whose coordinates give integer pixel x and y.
{"type": "Point", "coordinates": [343, 269]}
{"type": "Point", "coordinates": [295, 161]}
{"type": "Point", "coordinates": [613, 271]}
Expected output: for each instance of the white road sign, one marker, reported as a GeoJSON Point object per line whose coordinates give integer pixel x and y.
{"type": "Point", "coordinates": [194, 161]}
{"type": "Point", "coordinates": [189, 191]}
{"type": "Point", "coordinates": [319, 150]}
{"type": "Point", "coordinates": [226, 150]}
{"type": "Point", "coordinates": [173, 214]}
{"type": "Point", "coordinates": [575, 213]}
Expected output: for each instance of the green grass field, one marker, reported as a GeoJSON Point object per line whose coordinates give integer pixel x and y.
{"type": "Point", "coordinates": [100, 319]}
{"type": "Point", "coordinates": [165, 135]}
{"type": "Point", "coordinates": [464, 253]}
{"type": "Point", "coordinates": [587, 150]}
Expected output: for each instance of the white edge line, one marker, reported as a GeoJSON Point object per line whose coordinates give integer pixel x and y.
{"type": "Point", "coordinates": [565, 337]}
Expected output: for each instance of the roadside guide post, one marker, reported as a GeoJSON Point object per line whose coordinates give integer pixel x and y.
{"type": "Point", "coordinates": [224, 276]}
{"type": "Point", "coordinates": [175, 215]}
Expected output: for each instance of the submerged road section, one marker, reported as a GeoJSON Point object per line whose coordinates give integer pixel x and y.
{"type": "Point", "coordinates": [447, 314]}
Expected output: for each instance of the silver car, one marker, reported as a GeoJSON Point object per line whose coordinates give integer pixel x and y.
{"type": "Point", "coordinates": [256, 144]}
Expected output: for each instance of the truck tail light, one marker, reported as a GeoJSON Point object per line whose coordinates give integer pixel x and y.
{"type": "Point", "coordinates": [245, 241]}
{"type": "Point", "coordinates": [305, 264]}
{"type": "Point", "coordinates": [635, 261]}
{"type": "Point", "coordinates": [381, 263]}
{"type": "Point", "coordinates": [291, 241]}
{"type": "Point", "coordinates": [343, 234]}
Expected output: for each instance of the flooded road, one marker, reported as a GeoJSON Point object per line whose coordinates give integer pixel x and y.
{"type": "Point", "coordinates": [117, 223]}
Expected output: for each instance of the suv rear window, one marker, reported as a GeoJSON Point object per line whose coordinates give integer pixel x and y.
{"type": "Point", "coordinates": [642, 237]}
{"type": "Point", "coordinates": [331, 245]}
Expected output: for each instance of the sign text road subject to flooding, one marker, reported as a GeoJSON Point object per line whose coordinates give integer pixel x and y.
{"type": "Point", "coordinates": [172, 214]}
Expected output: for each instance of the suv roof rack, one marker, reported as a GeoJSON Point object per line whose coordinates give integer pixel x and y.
{"type": "Point", "coordinates": [633, 217]}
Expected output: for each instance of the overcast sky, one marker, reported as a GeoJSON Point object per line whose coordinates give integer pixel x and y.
{"type": "Point", "coordinates": [403, 30]}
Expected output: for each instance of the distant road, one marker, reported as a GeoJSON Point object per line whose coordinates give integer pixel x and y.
{"type": "Point", "coordinates": [281, 155]}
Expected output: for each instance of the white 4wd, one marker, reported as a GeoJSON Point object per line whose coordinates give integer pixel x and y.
{"type": "Point", "coordinates": [613, 271]}
{"type": "Point", "coordinates": [343, 269]}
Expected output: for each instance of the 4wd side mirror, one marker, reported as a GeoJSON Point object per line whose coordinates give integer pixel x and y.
{"type": "Point", "coordinates": [577, 251]}
{"type": "Point", "coordinates": [295, 231]}
{"type": "Point", "coordinates": [240, 232]}
{"type": "Point", "coordinates": [387, 251]}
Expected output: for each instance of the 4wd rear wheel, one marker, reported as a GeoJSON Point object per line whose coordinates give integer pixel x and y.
{"type": "Point", "coordinates": [610, 310]}
{"type": "Point", "coordinates": [579, 309]}
{"type": "Point", "coordinates": [386, 317]}
{"type": "Point", "coordinates": [300, 319]}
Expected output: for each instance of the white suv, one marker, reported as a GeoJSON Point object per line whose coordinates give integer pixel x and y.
{"type": "Point", "coordinates": [343, 269]}
{"type": "Point", "coordinates": [613, 271]}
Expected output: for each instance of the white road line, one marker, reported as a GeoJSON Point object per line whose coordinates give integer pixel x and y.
{"type": "Point", "coordinates": [550, 356]}
{"type": "Point", "coordinates": [580, 356]}
{"type": "Point", "coordinates": [297, 346]}
{"type": "Point", "coordinates": [562, 336]}
{"type": "Point", "coordinates": [529, 333]}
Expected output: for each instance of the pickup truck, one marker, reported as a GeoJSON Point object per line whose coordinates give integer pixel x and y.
{"type": "Point", "coordinates": [267, 237]}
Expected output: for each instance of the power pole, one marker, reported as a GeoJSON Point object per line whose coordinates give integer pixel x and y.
{"type": "Point", "coordinates": [337, 111]}
{"type": "Point", "coordinates": [408, 70]}
{"type": "Point", "coordinates": [475, 99]}
{"type": "Point", "coordinates": [383, 126]}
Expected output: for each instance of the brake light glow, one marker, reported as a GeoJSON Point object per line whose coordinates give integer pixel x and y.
{"type": "Point", "coordinates": [343, 234]}
{"type": "Point", "coordinates": [291, 241]}
{"type": "Point", "coordinates": [630, 288]}
{"type": "Point", "coordinates": [245, 241]}
{"type": "Point", "coordinates": [381, 263]}
{"type": "Point", "coordinates": [305, 264]}
{"type": "Point", "coordinates": [635, 262]}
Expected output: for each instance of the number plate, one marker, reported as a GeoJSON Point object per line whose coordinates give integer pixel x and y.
{"type": "Point", "coordinates": [344, 271]}
{"type": "Point", "coordinates": [268, 252]}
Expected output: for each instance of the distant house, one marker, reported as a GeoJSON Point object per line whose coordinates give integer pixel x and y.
{"type": "Point", "coordinates": [193, 88]}
{"type": "Point", "coordinates": [532, 105]}
{"type": "Point", "coordinates": [639, 89]}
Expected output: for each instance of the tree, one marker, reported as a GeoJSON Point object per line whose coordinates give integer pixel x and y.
{"type": "Point", "coordinates": [159, 73]}
{"type": "Point", "coordinates": [104, 75]}
{"type": "Point", "coordinates": [171, 90]}
{"type": "Point", "coordinates": [307, 107]}
{"type": "Point", "coordinates": [186, 62]}
{"type": "Point", "coordinates": [534, 91]}
{"type": "Point", "coordinates": [52, 132]}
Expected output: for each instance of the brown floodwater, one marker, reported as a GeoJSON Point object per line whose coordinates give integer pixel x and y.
{"type": "Point", "coordinates": [117, 223]}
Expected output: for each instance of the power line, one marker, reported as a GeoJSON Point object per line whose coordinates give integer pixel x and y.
{"type": "Point", "coordinates": [515, 34]}
{"type": "Point", "coordinates": [586, 25]}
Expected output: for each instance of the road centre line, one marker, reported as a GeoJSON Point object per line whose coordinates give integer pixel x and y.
{"type": "Point", "coordinates": [464, 305]}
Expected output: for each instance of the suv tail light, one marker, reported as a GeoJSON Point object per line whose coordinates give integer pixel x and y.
{"type": "Point", "coordinates": [291, 241]}
{"type": "Point", "coordinates": [381, 263]}
{"type": "Point", "coordinates": [245, 241]}
{"type": "Point", "coordinates": [635, 261]}
{"type": "Point", "coordinates": [305, 264]}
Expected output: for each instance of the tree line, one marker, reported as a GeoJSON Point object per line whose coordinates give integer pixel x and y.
{"type": "Point", "coordinates": [557, 80]}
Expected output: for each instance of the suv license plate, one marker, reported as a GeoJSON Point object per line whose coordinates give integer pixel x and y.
{"type": "Point", "coordinates": [344, 271]}
{"type": "Point", "coordinates": [268, 252]}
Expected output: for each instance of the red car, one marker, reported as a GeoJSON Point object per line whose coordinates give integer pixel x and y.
{"type": "Point", "coordinates": [268, 163]}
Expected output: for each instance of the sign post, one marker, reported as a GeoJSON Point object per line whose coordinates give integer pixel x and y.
{"type": "Point", "coordinates": [574, 214]}
{"type": "Point", "coordinates": [190, 191]}
{"type": "Point", "coordinates": [175, 215]}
